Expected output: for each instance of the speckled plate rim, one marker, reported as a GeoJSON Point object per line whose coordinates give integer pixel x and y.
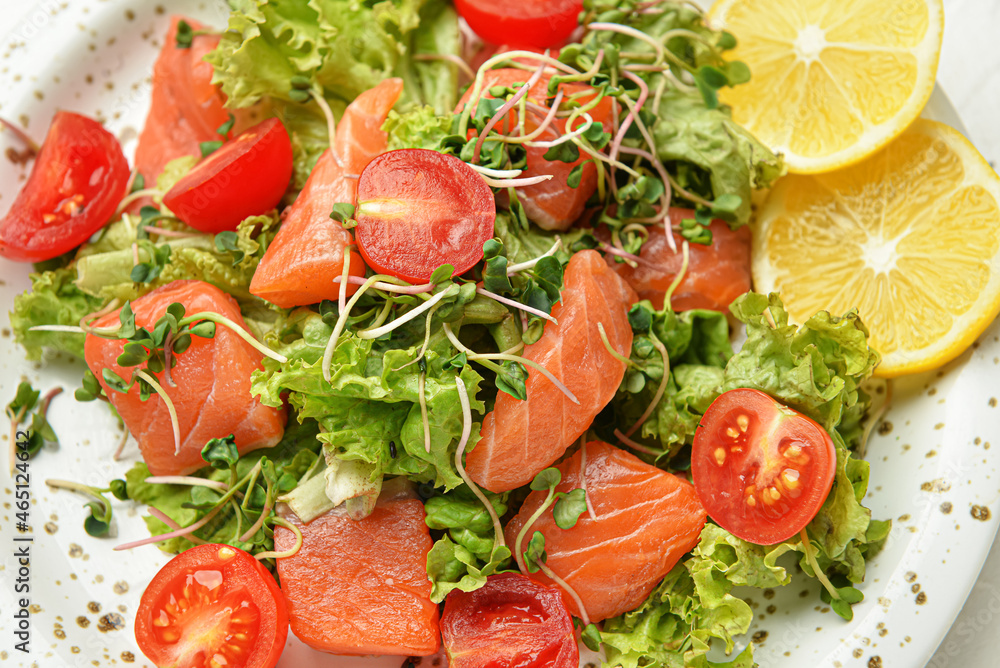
{"type": "Point", "coordinates": [101, 66]}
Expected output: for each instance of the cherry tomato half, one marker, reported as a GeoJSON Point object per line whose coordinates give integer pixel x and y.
{"type": "Point", "coordinates": [419, 209]}
{"type": "Point", "coordinates": [761, 469]}
{"type": "Point", "coordinates": [537, 23]}
{"type": "Point", "coordinates": [511, 621]}
{"type": "Point", "coordinates": [213, 601]}
{"type": "Point", "coordinates": [246, 177]}
{"type": "Point", "coordinates": [75, 186]}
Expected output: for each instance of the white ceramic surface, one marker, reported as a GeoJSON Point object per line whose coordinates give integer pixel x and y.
{"type": "Point", "coordinates": [95, 57]}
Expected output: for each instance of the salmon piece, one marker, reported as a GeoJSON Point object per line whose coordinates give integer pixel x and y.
{"type": "Point", "coordinates": [299, 266]}
{"type": "Point", "coordinates": [212, 394]}
{"type": "Point", "coordinates": [361, 586]}
{"type": "Point", "coordinates": [552, 205]}
{"type": "Point", "coordinates": [186, 108]}
{"type": "Point", "coordinates": [520, 438]}
{"type": "Point", "coordinates": [647, 519]}
{"type": "Point", "coordinates": [716, 274]}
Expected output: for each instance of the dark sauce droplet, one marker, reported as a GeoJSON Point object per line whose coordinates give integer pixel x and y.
{"type": "Point", "coordinates": [392, 449]}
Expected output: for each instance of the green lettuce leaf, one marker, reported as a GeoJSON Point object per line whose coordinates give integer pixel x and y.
{"type": "Point", "coordinates": [421, 127]}
{"type": "Point", "coordinates": [54, 299]}
{"type": "Point", "coordinates": [816, 369]}
{"type": "Point", "coordinates": [342, 47]}
{"type": "Point", "coordinates": [464, 557]}
{"type": "Point", "coordinates": [372, 400]}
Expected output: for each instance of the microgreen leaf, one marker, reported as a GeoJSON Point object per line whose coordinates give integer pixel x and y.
{"type": "Point", "coordinates": [713, 76]}
{"type": "Point", "coordinates": [209, 147]}
{"type": "Point", "coordinates": [91, 388]}
{"type": "Point", "coordinates": [457, 362]}
{"type": "Point", "coordinates": [511, 379]}
{"type": "Point", "coordinates": [591, 637]}
{"type": "Point", "coordinates": [93, 525]}
{"type": "Point", "coordinates": [495, 277]}
{"type": "Point", "coordinates": [569, 507]}
{"type": "Point", "coordinates": [546, 479]}
{"type": "Point", "coordinates": [640, 317]}
{"type": "Point", "coordinates": [115, 382]}
{"type": "Point", "coordinates": [205, 329]}
{"type": "Point", "coordinates": [727, 40]}
{"type": "Point", "coordinates": [133, 354]}
{"type": "Point", "coordinates": [737, 72]}
{"type": "Point", "coordinates": [176, 310]}
{"type": "Point", "coordinates": [442, 274]}
{"type": "Point", "coordinates": [564, 152]}
{"type": "Point", "coordinates": [227, 127]}
{"type": "Point", "coordinates": [25, 398]}
{"type": "Point", "coordinates": [342, 212]}
{"type": "Point", "coordinates": [535, 553]}
{"type": "Point", "coordinates": [300, 96]}
{"type": "Point", "coordinates": [221, 453]}
{"type": "Point", "coordinates": [185, 35]}
{"type": "Point", "coordinates": [126, 319]}
{"type": "Point", "coordinates": [228, 242]}
{"type": "Point", "coordinates": [119, 488]}
{"type": "Point", "coordinates": [138, 183]}
{"type": "Point", "coordinates": [548, 272]}
{"type": "Point", "coordinates": [576, 175]}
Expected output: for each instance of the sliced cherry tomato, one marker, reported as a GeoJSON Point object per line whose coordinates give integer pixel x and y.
{"type": "Point", "coordinates": [538, 23]}
{"type": "Point", "coordinates": [246, 177]}
{"type": "Point", "coordinates": [761, 469]}
{"type": "Point", "coordinates": [420, 209]}
{"type": "Point", "coordinates": [75, 186]}
{"type": "Point", "coordinates": [212, 602]}
{"type": "Point", "coordinates": [511, 621]}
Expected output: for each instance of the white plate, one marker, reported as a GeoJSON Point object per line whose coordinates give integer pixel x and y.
{"type": "Point", "coordinates": [95, 57]}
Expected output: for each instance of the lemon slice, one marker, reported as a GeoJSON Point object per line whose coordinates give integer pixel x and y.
{"type": "Point", "coordinates": [833, 80]}
{"type": "Point", "coordinates": [910, 236]}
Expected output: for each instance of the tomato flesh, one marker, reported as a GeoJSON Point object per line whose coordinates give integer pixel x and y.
{"type": "Point", "coordinates": [212, 603]}
{"type": "Point", "coordinates": [511, 621]}
{"type": "Point", "coordinates": [537, 23]}
{"type": "Point", "coordinates": [78, 179]}
{"type": "Point", "coordinates": [419, 209]}
{"type": "Point", "coordinates": [761, 469]}
{"type": "Point", "coordinates": [246, 177]}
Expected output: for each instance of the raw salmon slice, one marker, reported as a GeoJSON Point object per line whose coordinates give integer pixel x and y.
{"type": "Point", "coordinates": [716, 274]}
{"type": "Point", "coordinates": [212, 394]}
{"type": "Point", "coordinates": [308, 251]}
{"type": "Point", "coordinates": [647, 519]}
{"type": "Point", "coordinates": [186, 108]}
{"type": "Point", "coordinates": [361, 587]}
{"type": "Point", "coordinates": [520, 438]}
{"type": "Point", "coordinates": [553, 205]}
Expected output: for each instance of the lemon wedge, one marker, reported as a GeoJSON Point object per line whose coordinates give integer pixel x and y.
{"type": "Point", "coordinates": [833, 80]}
{"type": "Point", "coordinates": [909, 236]}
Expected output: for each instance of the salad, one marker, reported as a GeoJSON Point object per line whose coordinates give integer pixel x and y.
{"type": "Point", "coordinates": [431, 334]}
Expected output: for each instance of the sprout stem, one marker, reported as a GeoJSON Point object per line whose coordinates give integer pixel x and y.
{"type": "Point", "coordinates": [178, 533]}
{"type": "Point", "coordinates": [342, 293]}
{"type": "Point", "coordinates": [421, 381]}
{"type": "Point", "coordinates": [583, 476]}
{"type": "Point", "coordinates": [331, 344]}
{"type": "Point", "coordinates": [530, 264]}
{"type": "Point", "coordinates": [515, 304]}
{"type": "Point", "coordinates": [614, 353]}
{"type": "Point", "coordinates": [448, 57]}
{"type": "Point", "coordinates": [410, 315]}
{"type": "Point", "coordinates": [811, 559]}
{"type": "Point", "coordinates": [532, 363]}
{"type": "Point", "coordinates": [23, 136]}
{"type": "Point", "coordinates": [121, 446]}
{"type": "Point", "coordinates": [166, 402]}
{"type": "Point", "coordinates": [659, 390]}
{"type": "Point", "coordinates": [680, 275]}
{"type": "Point", "coordinates": [496, 173]}
{"type": "Point", "coordinates": [138, 194]}
{"type": "Point", "coordinates": [291, 552]}
{"type": "Point", "coordinates": [239, 331]}
{"type": "Point", "coordinates": [463, 398]}
{"type": "Point", "coordinates": [517, 183]}
{"type": "Point", "coordinates": [166, 519]}
{"type": "Point", "coordinates": [404, 289]}
{"type": "Point", "coordinates": [636, 446]}
{"type": "Point", "coordinates": [543, 567]}
{"type": "Point", "coordinates": [331, 122]}
{"type": "Point", "coordinates": [193, 481]}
